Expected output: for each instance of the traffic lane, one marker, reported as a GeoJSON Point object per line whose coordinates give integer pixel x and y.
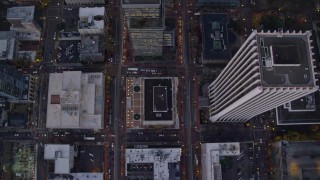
{"type": "Point", "coordinates": [16, 136]}
{"type": "Point", "coordinates": [49, 41]}
{"type": "Point", "coordinates": [260, 155]}
{"type": "Point", "coordinates": [52, 12]}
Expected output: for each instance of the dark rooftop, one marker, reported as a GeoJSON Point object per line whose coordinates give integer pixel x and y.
{"type": "Point", "coordinates": [141, 171]}
{"type": "Point", "coordinates": [145, 23]}
{"type": "Point", "coordinates": [305, 110]}
{"type": "Point", "coordinates": [160, 100]}
{"type": "Point", "coordinates": [162, 103]}
{"type": "Point", "coordinates": [281, 55]}
{"type": "Point", "coordinates": [215, 37]}
{"type": "Point", "coordinates": [285, 61]}
{"type": "Point", "coordinates": [18, 120]}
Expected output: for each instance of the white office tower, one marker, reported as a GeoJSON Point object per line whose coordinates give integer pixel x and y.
{"type": "Point", "coordinates": [269, 70]}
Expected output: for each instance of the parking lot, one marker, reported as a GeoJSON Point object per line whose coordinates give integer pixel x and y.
{"type": "Point", "coordinates": [68, 52]}
{"type": "Point", "coordinates": [90, 159]}
{"type": "Point", "coordinates": [239, 167]}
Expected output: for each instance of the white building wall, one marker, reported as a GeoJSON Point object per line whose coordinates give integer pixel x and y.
{"type": "Point", "coordinates": [237, 93]}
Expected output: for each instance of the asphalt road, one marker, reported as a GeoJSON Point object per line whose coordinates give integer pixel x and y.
{"type": "Point", "coordinates": [117, 105]}
{"type": "Point", "coordinates": [188, 114]}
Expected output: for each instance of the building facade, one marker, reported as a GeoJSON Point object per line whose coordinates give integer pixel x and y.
{"type": "Point", "coordinates": [145, 20]}
{"type": "Point", "coordinates": [262, 75]}
{"type": "Point", "coordinates": [78, 2]}
{"type": "Point", "coordinates": [92, 21]}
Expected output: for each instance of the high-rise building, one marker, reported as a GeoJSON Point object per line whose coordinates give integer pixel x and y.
{"type": "Point", "coordinates": [146, 26]}
{"type": "Point", "coordinates": [23, 23]}
{"type": "Point", "coordinates": [269, 70]}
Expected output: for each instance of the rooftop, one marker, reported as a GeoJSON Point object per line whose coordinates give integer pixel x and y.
{"type": "Point", "coordinates": [158, 99]}
{"type": "Point", "coordinates": [91, 17]}
{"type": "Point", "coordinates": [159, 158]}
{"type": "Point", "coordinates": [7, 45]}
{"type": "Point", "coordinates": [25, 13]}
{"type": "Point", "coordinates": [210, 158]}
{"type": "Point", "coordinates": [151, 101]}
{"type": "Point", "coordinates": [62, 154]}
{"type": "Point", "coordinates": [146, 23]}
{"type": "Point", "coordinates": [280, 68]}
{"type": "Point", "coordinates": [301, 159]}
{"type": "Point", "coordinates": [215, 37]}
{"type": "Point", "coordinates": [75, 100]}
{"type": "Point", "coordinates": [92, 47]}
{"type": "Point", "coordinates": [305, 110]}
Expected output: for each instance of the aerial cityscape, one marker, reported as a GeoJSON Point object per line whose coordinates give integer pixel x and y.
{"type": "Point", "coordinates": [159, 90]}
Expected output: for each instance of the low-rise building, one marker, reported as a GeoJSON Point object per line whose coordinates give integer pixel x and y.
{"type": "Point", "coordinates": [210, 158]}
{"type": "Point", "coordinates": [63, 156]}
{"type": "Point", "coordinates": [92, 21]}
{"type": "Point", "coordinates": [157, 164]}
{"type": "Point", "coordinates": [75, 100]}
{"type": "Point", "coordinates": [296, 160]}
{"type": "Point", "coordinates": [9, 46]}
{"type": "Point", "coordinates": [92, 49]}
{"type": "Point", "coordinates": [151, 102]}
{"type": "Point", "coordinates": [23, 23]}
{"type": "Point", "coordinates": [215, 45]}
{"type": "Point", "coordinates": [305, 110]}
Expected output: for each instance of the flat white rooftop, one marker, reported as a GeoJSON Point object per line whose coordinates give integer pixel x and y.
{"type": "Point", "coordinates": [159, 157]}
{"type": "Point", "coordinates": [91, 17]}
{"type": "Point", "coordinates": [62, 154]}
{"type": "Point", "coordinates": [25, 13]}
{"type": "Point", "coordinates": [75, 100]}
